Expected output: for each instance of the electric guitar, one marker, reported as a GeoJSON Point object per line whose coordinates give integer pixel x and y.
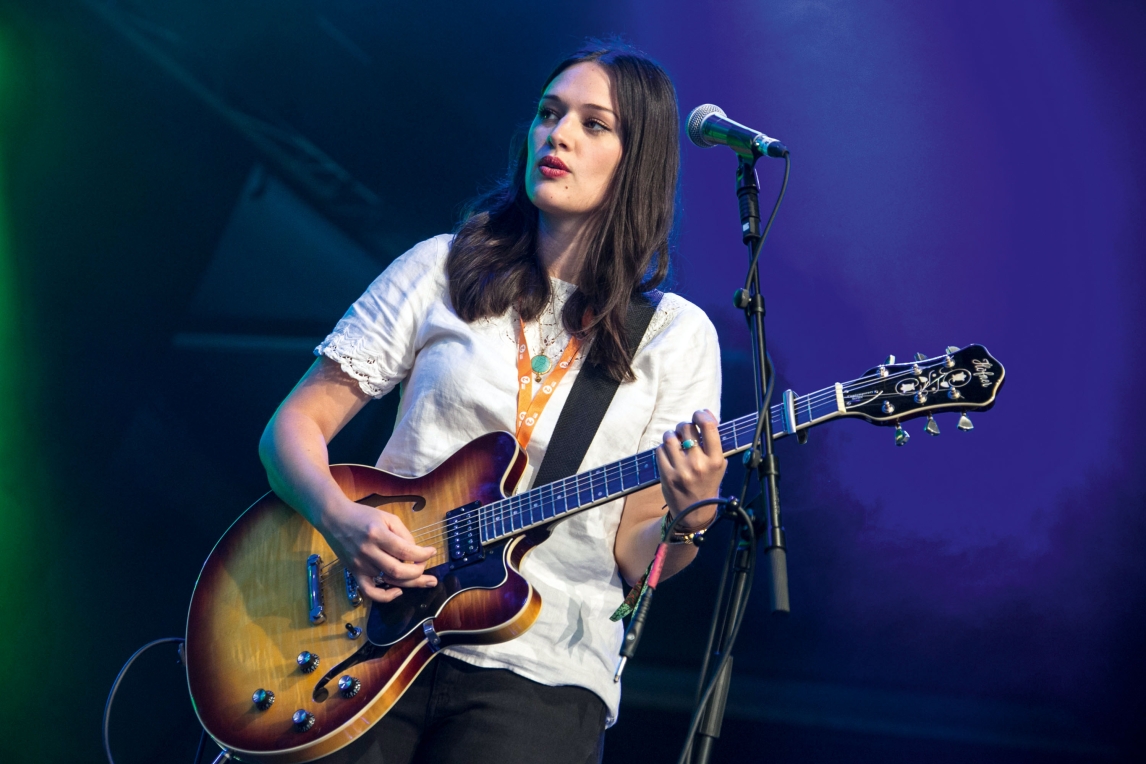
{"type": "Point", "coordinates": [286, 661]}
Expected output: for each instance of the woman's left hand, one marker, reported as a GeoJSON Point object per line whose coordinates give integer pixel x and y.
{"type": "Point", "coordinates": [693, 473]}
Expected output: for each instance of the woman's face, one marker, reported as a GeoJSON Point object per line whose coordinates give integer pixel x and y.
{"type": "Point", "coordinates": [574, 143]}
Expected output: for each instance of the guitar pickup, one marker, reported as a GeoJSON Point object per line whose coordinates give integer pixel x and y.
{"type": "Point", "coordinates": [463, 535]}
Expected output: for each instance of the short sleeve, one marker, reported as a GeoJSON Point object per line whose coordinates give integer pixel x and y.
{"type": "Point", "coordinates": [375, 342]}
{"type": "Point", "coordinates": [687, 364]}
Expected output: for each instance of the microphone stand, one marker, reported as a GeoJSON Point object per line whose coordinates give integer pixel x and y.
{"type": "Point", "coordinates": [730, 604]}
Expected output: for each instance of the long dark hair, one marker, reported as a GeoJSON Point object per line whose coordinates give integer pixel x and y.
{"type": "Point", "coordinates": [493, 261]}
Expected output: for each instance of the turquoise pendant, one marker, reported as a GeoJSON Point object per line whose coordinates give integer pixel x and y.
{"type": "Point", "coordinates": [540, 364]}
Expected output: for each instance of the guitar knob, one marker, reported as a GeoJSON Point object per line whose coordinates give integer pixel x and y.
{"type": "Point", "coordinates": [352, 631]}
{"type": "Point", "coordinates": [932, 428]}
{"type": "Point", "coordinates": [965, 423]}
{"type": "Point", "coordinates": [951, 350]}
{"type": "Point", "coordinates": [901, 436]}
{"type": "Point", "coordinates": [954, 394]}
{"type": "Point", "coordinates": [349, 686]}
{"type": "Point", "coordinates": [920, 357]}
{"type": "Point", "coordinates": [889, 361]}
{"type": "Point", "coordinates": [303, 720]}
{"type": "Point", "coordinates": [263, 699]}
{"type": "Point", "coordinates": [307, 661]}
{"type": "Point", "coordinates": [887, 408]}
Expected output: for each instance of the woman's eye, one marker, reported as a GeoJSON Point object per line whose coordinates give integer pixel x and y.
{"type": "Point", "coordinates": [545, 113]}
{"type": "Point", "coordinates": [596, 125]}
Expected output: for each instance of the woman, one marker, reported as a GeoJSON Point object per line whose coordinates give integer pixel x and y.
{"type": "Point", "coordinates": [550, 261]}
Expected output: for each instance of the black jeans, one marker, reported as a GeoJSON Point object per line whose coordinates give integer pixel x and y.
{"type": "Point", "coordinates": [455, 713]}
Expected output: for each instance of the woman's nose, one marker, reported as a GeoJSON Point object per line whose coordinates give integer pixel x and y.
{"type": "Point", "coordinates": [559, 135]}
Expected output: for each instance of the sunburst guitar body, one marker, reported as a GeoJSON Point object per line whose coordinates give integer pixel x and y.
{"type": "Point", "coordinates": [253, 612]}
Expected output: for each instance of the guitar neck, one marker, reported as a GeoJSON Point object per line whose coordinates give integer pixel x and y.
{"type": "Point", "coordinates": [547, 503]}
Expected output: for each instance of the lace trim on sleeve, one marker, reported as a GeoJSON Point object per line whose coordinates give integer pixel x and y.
{"type": "Point", "coordinates": [346, 349]}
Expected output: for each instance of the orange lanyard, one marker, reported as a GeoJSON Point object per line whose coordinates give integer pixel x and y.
{"type": "Point", "coordinates": [529, 407]}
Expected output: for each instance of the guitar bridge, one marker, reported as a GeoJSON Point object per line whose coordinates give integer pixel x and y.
{"type": "Point", "coordinates": [315, 610]}
{"type": "Point", "coordinates": [463, 535]}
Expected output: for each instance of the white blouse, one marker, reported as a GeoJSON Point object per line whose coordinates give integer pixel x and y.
{"type": "Point", "coordinates": [459, 381]}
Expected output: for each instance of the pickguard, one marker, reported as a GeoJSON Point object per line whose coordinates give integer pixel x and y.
{"type": "Point", "coordinates": [392, 621]}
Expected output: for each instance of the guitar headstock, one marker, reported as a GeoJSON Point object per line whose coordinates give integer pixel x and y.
{"type": "Point", "coordinates": [960, 380]}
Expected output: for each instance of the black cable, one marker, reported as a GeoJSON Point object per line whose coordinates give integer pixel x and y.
{"type": "Point", "coordinates": [751, 286]}
{"type": "Point", "coordinates": [752, 271]}
{"type": "Point", "coordinates": [692, 508]}
{"type": "Point", "coordinates": [717, 611]}
{"type": "Point", "coordinates": [765, 410]}
{"type": "Point", "coordinates": [740, 609]}
{"type": "Point", "coordinates": [202, 745]}
{"type": "Point", "coordinates": [115, 687]}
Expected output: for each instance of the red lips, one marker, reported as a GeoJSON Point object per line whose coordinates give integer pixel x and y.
{"type": "Point", "coordinates": [552, 167]}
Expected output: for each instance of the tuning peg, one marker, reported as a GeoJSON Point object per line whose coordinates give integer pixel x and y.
{"type": "Point", "coordinates": [889, 360]}
{"type": "Point", "coordinates": [965, 423]}
{"type": "Point", "coordinates": [901, 436]}
{"type": "Point", "coordinates": [920, 357]}
{"type": "Point", "coordinates": [952, 349]}
{"type": "Point", "coordinates": [932, 428]}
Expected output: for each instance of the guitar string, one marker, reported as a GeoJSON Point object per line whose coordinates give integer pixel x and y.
{"type": "Point", "coordinates": [518, 504]}
{"type": "Point", "coordinates": [510, 512]}
{"type": "Point", "coordinates": [505, 511]}
{"type": "Point", "coordinates": [734, 428]}
{"type": "Point", "coordinates": [495, 514]}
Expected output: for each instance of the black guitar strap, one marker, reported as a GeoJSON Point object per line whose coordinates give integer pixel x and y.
{"type": "Point", "coordinates": [589, 399]}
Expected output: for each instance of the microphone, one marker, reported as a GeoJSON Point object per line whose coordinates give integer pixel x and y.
{"type": "Point", "coordinates": [709, 126]}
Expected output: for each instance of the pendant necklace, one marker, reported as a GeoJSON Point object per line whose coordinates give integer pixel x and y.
{"type": "Point", "coordinates": [541, 365]}
{"type": "Point", "coordinates": [530, 368]}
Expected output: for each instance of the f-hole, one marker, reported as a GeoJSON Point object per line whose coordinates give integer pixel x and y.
{"type": "Point", "coordinates": [376, 501]}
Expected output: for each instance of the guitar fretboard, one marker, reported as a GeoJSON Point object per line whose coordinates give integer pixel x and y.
{"type": "Point", "coordinates": [550, 502]}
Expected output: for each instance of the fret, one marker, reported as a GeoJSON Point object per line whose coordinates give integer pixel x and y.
{"type": "Point", "coordinates": [508, 511]}
{"type": "Point", "coordinates": [572, 498]}
{"type": "Point", "coordinates": [631, 475]}
{"type": "Point", "coordinates": [507, 516]}
{"type": "Point", "coordinates": [511, 513]}
{"type": "Point", "coordinates": [613, 483]}
{"type": "Point", "coordinates": [556, 506]}
{"type": "Point", "coordinates": [535, 504]}
{"type": "Point", "coordinates": [524, 509]}
{"type": "Point", "coordinates": [647, 468]}
{"type": "Point", "coordinates": [728, 438]}
{"type": "Point", "coordinates": [596, 486]}
{"type": "Point", "coordinates": [585, 489]}
{"type": "Point", "coordinates": [600, 489]}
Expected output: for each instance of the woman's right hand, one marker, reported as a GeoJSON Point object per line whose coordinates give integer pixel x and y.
{"type": "Point", "coordinates": [369, 541]}
{"type": "Point", "coordinates": [373, 542]}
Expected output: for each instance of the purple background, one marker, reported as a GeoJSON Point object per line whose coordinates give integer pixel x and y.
{"type": "Point", "coordinates": [961, 173]}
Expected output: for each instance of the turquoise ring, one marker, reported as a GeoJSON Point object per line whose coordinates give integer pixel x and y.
{"type": "Point", "coordinates": [687, 444]}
